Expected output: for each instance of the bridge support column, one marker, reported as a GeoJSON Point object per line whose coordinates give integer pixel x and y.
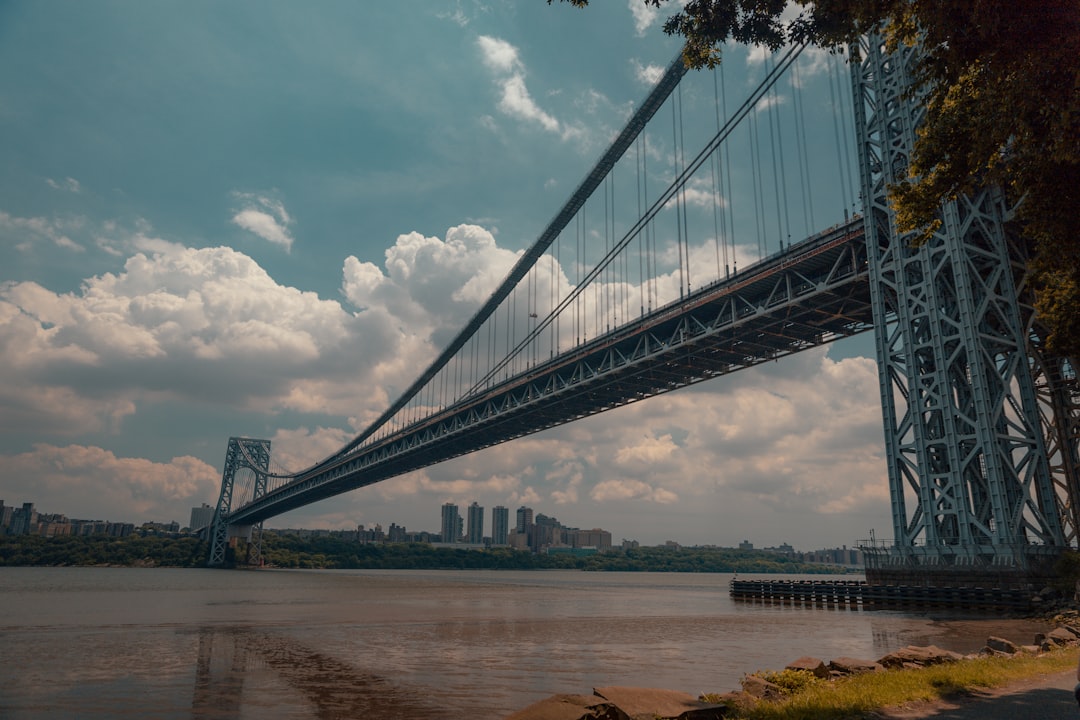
{"type": "Point", "coordinates": [966, 442]}
{"type": "Point", "coordinates": [249, 460]}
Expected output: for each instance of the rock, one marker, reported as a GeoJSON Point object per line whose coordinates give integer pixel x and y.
{"type": "Point", "coordinates": [1001, 645]}
{"type": "Point", "coordinates": [1061, 636]}
{"type": "Point", "coordinates": [571, 707]}
{"type": "Point", "coordinates": [1074, 630]}
{"type": "Point", "coordinates": [854, 666]}
{"type": "Point", "coordinates": [1029, 649]}
{"type": "Point", "coordinates": [653, 703]}
{"type": "Point", "coordinates": [810, 664]}
{"type": "Point", "coordinates": [918, 656]}
{"type": "Point", "coordinates": [759, 687]}
{"type": "Point", "coordinates": [734, 700]}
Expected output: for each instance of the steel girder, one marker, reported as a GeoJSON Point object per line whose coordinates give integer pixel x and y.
{"type": "Point", "coordinates": [241, 453]}
{"type": "Point", "coordinates": [812, 294]}
{"type": "Point", "coordinates": [967, 461]}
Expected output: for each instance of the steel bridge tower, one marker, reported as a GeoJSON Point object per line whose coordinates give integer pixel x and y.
{"type": "Point", "coordinates": [241, 454]}
{"type": "Point", "coordinates": [981, 427]}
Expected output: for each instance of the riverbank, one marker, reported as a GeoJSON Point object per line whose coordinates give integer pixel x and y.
{"type": "Point", "coordinates": [913, 682]}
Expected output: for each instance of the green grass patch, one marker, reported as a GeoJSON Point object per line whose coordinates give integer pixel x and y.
{"type": "Point", "coordinates": [859, 695]}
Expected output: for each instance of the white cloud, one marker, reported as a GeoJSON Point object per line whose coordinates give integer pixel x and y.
{"type": "Point", "coordinates": [94, 484]}
{"type": "Point", "coordinates": [644, 16]}
{"type": "Point", "coordinates": [69, 184]}
{"type": "Point", "coordinates": [502, 59]}
{"type": "Point", "coordinates": [265, 217]}
{"type": "Point", "coordinates": [499, 55]}
{"type": "Point", "coordinates": [647, 74]}
{"type": "Point", "coordinates": [29, 231]}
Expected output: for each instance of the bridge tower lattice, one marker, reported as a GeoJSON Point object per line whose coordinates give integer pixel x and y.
{"type": "Point", "coordinates": [966, 436]}
{"type": "Point", "coordinates": [241, 454]}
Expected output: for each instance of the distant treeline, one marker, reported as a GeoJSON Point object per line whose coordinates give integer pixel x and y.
{"type": "Point", "coordinates": [290, 551]}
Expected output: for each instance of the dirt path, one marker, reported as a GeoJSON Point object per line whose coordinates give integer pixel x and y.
{"type": "Point", "coordinates": [1048, 697]}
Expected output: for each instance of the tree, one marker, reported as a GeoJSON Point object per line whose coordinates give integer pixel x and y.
{"type": "Point", "coordinates": [1002, 85]}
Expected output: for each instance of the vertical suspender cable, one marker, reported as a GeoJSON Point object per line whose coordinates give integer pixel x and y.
{"type": "Point", "coordinates": [679, 196]}
{"type": "Point", "coordinates": [717, 190]}
{"type": "Point", "coordinates": [836, 135]}
{"type": "Point", "coordinates": [685, 220]}
{"type": "Point", "coordinates": [642, 234]}
{"type": "Point", "coordinates": [804, 161]}
{"type": "Point", "coordinates": [847, 101]}
{"type": "Point", "coordinates": [727, 173]}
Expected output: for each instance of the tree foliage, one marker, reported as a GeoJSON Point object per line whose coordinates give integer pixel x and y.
{"type": "Point", "coordinates": [1002, 86]}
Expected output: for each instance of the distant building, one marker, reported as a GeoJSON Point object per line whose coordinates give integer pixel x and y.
{"type": "Point", "coordinates": [24, 520]}
{"type": "Point", "coordinates": [746, 545]}
{"type": "Point", "coordinates": [201, 517]}
{"type": "Point", "coordinates": [500, 525]}
{"type": "Point", "coordinates": [524, 519]}
{"type": "Point", "coordinates": [595, 538]}
{"type": "Point", "coordinates": [476, 524]}
{"type": "Point", "coordinates": [451, 523]}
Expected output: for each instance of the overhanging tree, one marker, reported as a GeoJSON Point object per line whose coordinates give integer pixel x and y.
{"type": "Point", "coordinates": [1002, 85]}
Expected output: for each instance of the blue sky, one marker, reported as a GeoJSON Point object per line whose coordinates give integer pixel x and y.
{"type": "Point", "coordinates": [263, 219]}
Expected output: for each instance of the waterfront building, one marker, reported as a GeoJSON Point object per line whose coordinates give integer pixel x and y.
{"type": "Point", "coordinates": [24, 520]}
{"type": "Point", "coordinates": [451, 523]}
{"type": "Point", "coordinates": [201, 517]}
{"type": "Point", "coordinates": [524, 519]}
{"type": "Point", "coordinates": [500, 525]}
{"type": "Point", "coordinates": [476, 523]}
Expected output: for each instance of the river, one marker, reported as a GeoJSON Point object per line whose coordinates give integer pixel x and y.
{"type": "Point", "coordinates": [171, 643]}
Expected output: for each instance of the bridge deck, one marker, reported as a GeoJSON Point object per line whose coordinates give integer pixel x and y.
{"type": "Point", "coordinates": [813, 293]}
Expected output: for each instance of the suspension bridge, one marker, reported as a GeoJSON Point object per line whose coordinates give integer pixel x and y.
{"type": "Point", "coordinates": [665, 268]}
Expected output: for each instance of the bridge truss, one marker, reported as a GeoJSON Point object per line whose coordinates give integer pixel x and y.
{"type": "Point", "coordinates": [982, 426]}
{"type": "Point", "coordinates": [961, 376]}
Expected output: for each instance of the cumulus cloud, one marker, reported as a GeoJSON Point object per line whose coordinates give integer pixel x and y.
{"type": "Point", "coordinates": [95, 484]}
{"type": "Point", "coordinates": [210, 325]}
{"type": "Point", "coordinates": [265, 217]}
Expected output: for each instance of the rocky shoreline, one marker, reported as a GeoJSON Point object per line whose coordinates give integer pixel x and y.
{"type": "Point", "coordinates": [634, 703]}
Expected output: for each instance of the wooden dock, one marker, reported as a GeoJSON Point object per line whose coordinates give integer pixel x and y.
{"type": "Point", "coordinates": [857, 594]}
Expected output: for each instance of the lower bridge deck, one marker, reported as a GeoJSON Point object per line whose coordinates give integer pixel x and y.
{"type": "Point", "coordinates": [858, 594]}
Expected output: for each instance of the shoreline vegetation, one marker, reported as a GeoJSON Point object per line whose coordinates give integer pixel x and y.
{"type": "Point", "coordinates": [842, 689]}
{"type": "Point", "coordinates": [327, 553]}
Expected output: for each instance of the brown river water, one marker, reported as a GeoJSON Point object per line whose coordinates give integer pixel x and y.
{"type": "Point", "coordinates": [168, 643]}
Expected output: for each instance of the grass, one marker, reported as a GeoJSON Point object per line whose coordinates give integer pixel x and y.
{"type": "Point", "coordinates": [859, 695]}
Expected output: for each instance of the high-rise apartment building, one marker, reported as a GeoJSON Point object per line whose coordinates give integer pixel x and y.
{"type": "Point", "coordinates": [451, 523]}
{"type": "Point", "coordinates": [476, 523]}
{"type": "Point", "coordinates": [500, 525]}
{"type": "Point", "coordinates": [524, 519]}
{"type": "Point", "coordinates": [201, 517]}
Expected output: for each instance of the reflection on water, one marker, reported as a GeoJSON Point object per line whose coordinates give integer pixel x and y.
{"type": "Point", "coordinates": [326, 687]}
{"type": "Point", "coordinates": [105, 643]}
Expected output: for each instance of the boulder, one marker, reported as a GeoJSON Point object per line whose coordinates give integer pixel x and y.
{"type": "Point", "coordinates": [1074, 630]}
{"type": "Point", "coordinates": [652, 703]}
{"type": "Point", "coordinates": [854, 666]}
{"type": "Point", "coordinates": [571, 707]}
{"type": "Point", "coordinates": [919, 656]}
{"type": "Point", "coordinates": [1029, 649]}
{"type": "Point", "coordinates": [1061, 636]}
{"type": "Point", "coordinates": [1001, 645]}
{"type": "Point", "coordinates": [810, 664]}
{"type": "Point", "coordinates": [759, 687]}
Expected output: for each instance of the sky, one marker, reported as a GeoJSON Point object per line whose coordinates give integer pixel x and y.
{"type": "Point", "coordinates": [265, 218]}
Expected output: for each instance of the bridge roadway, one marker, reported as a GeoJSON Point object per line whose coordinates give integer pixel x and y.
{"type": "Point", "coordinates": [814, 292]}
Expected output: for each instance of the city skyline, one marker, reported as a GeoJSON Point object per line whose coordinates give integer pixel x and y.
{"type": "Point", "coordinates": [269, 224]}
